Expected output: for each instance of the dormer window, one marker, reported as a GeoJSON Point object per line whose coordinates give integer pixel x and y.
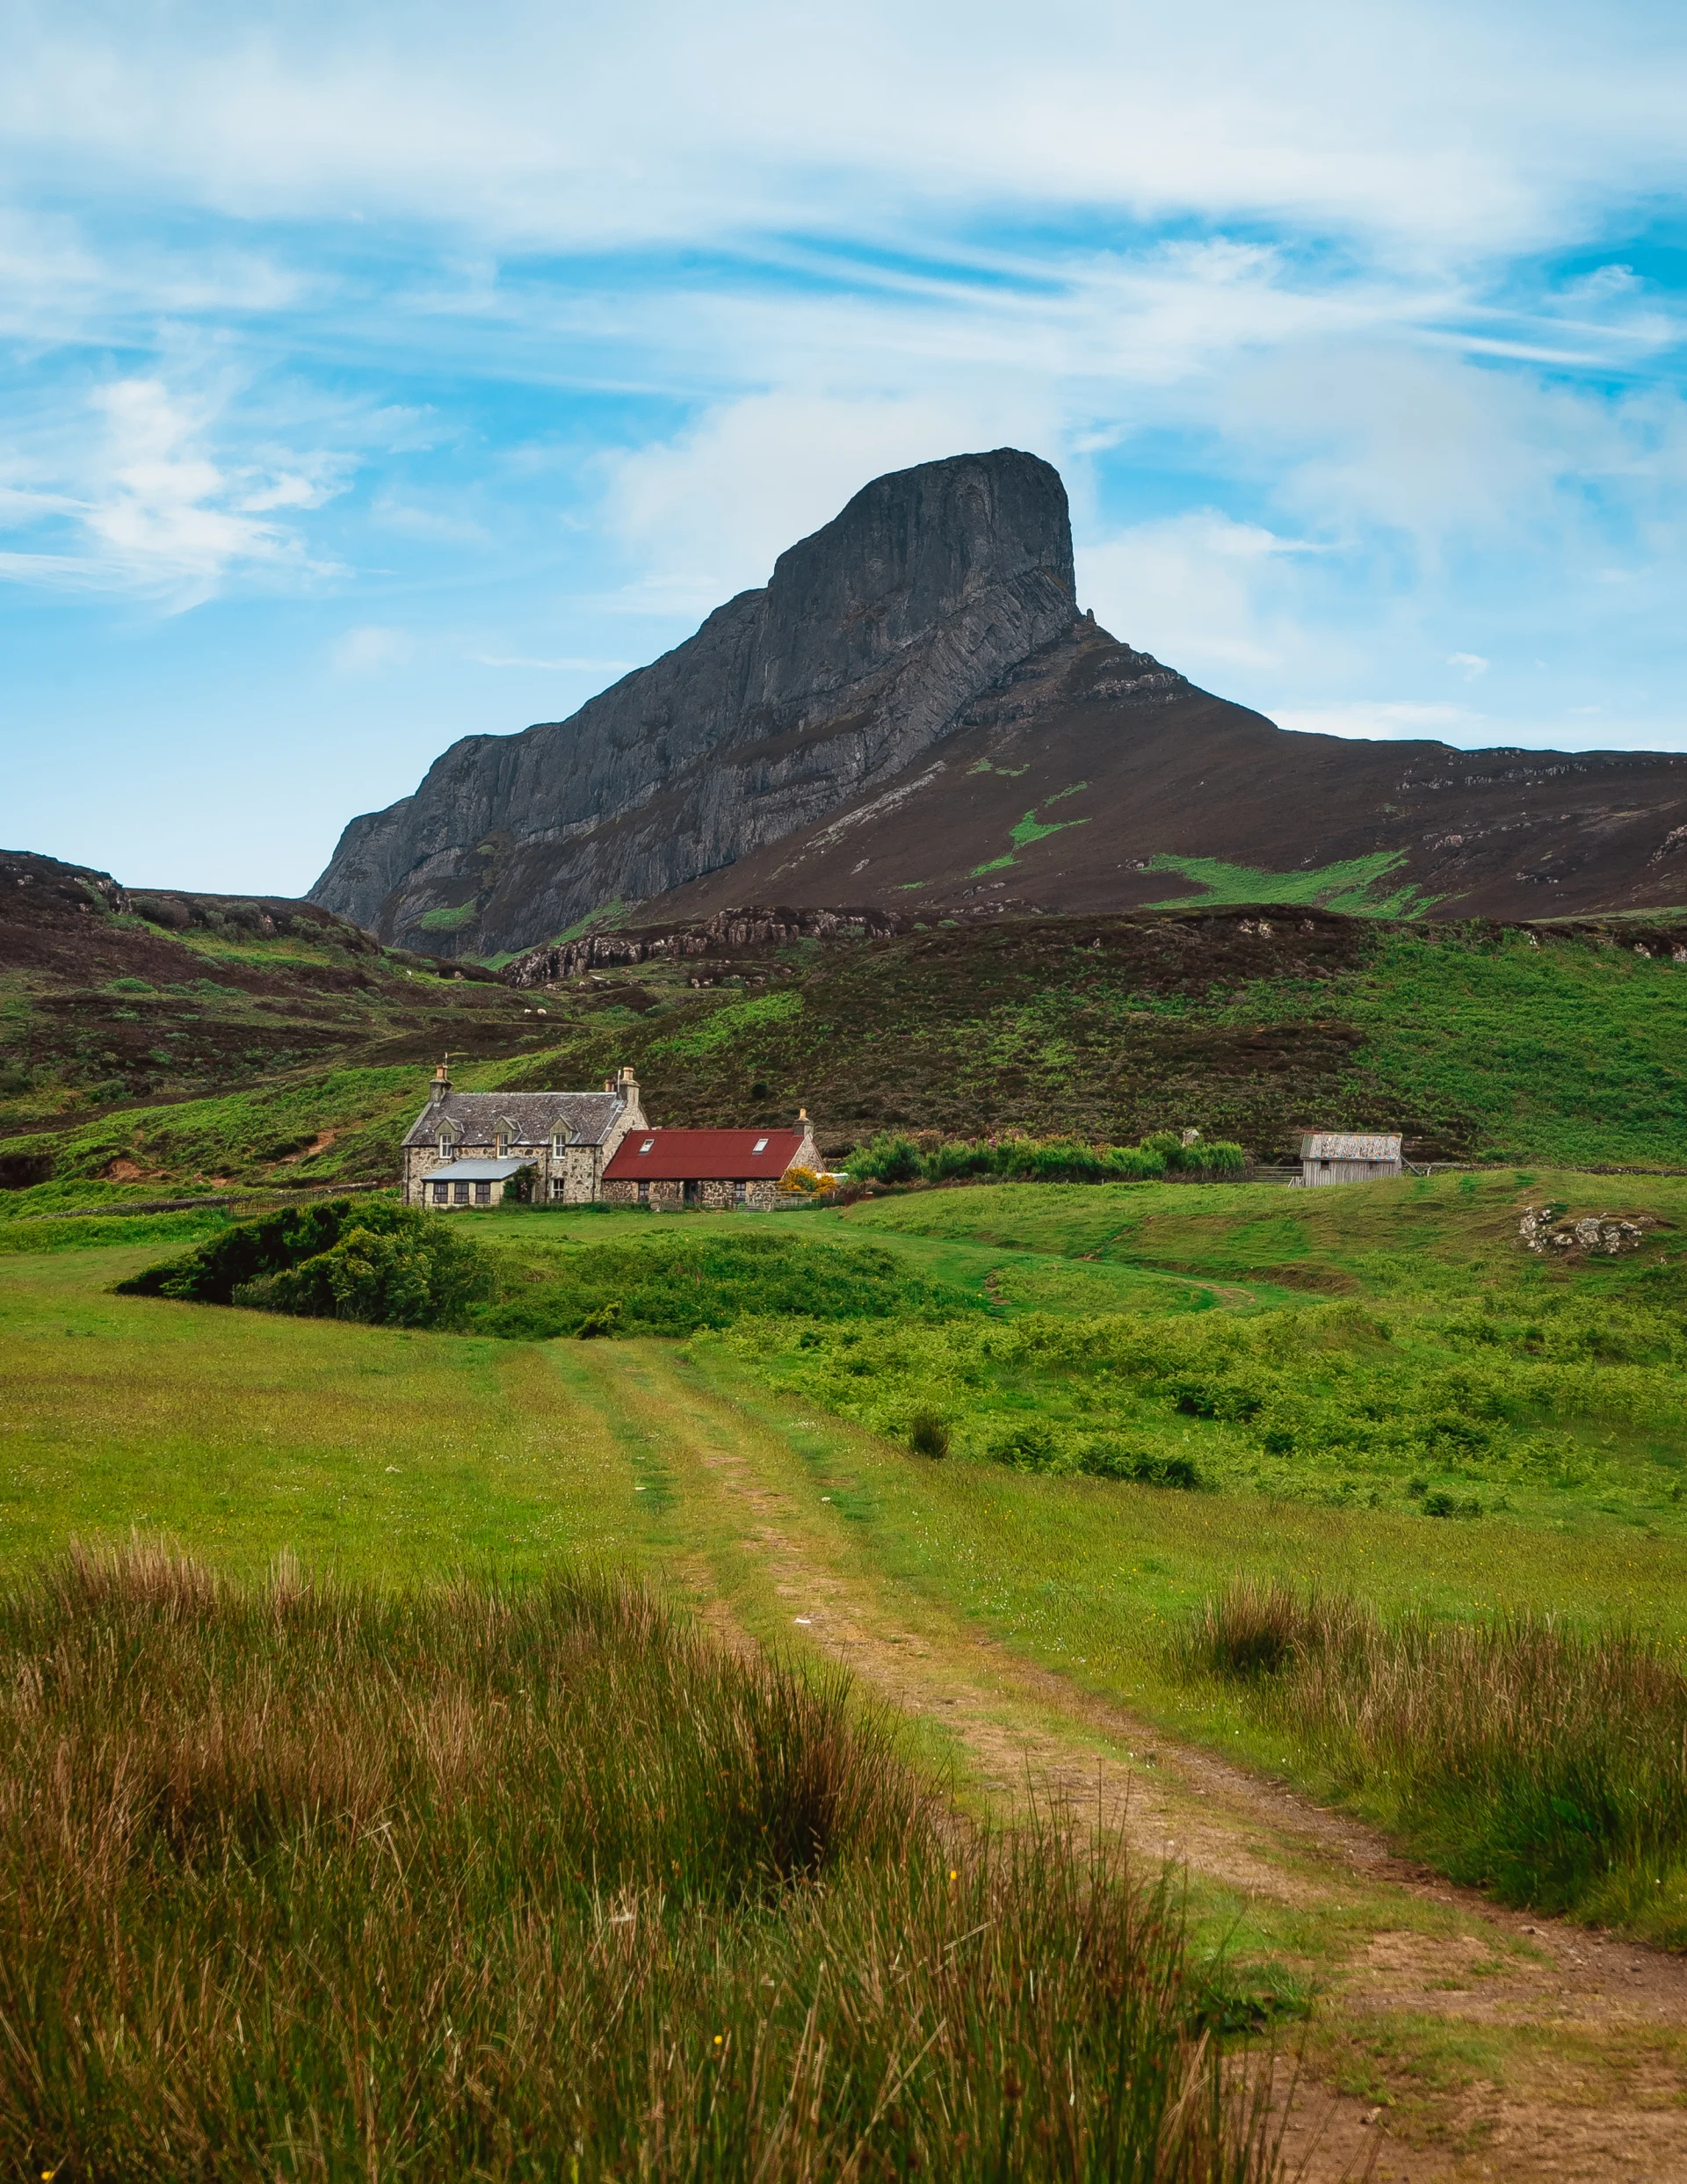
{"type": "Point", "coordinates": [760, 1146]}
{"type": "Point", "coordinates": [444, 1148]}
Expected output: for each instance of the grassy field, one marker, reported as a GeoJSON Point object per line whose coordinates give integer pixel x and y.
{"type": "Point", "coordinates": [749, 1470]}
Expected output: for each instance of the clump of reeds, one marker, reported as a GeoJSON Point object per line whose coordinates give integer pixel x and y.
{"type": "Point", "coordinates": [299, 1880]}
{"type": "Point", "coordinates": [1545, 1762]}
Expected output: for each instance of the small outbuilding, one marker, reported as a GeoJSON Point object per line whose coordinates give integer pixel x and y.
{"type": "Point", "coordinates": [1347, 1157]}
{"type": "Point", "coordinates": [719, 1169]}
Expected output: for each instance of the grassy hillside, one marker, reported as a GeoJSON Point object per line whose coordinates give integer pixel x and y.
{"type": "Point", "coordinates": [1552, 1045]}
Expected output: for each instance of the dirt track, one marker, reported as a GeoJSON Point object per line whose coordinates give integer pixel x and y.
{"type": "Point", "coordinates": [1450, 2039]}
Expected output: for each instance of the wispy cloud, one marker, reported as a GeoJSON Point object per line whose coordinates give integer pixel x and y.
{"type": "Point", "coordinates": [150, 507]}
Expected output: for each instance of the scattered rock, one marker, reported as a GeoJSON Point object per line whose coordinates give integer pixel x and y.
{"type": "Point", "coordinates": [1546, 1232]}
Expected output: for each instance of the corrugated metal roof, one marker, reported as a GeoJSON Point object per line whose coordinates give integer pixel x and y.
{"type": "Point", "coordinates": [1349, 1145]}
{"type": "Point", "coordinates": [475, 1171]}
{"type": "Point", "coordinates": [703, 1156]}
{"type": "Point", "coordinates": [522, 1118]}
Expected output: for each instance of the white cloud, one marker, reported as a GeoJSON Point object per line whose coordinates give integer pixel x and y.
{"type": "Point", "coordinates": [573, 667]}
{"type": "Point", "coordinates": [1200, 590]}
{"type": "Point", "coordinates": [1470, 665]}
{"type": "Point", "coordinates": [709, 513]}
{"type": "Point", "coordinates": [1432, 123]}
{"type": "Point", "coordinates": [151, 508]}
{"type": "Point", "coordinates": [371, 648]}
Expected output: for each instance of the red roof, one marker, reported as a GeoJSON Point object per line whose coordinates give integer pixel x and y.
{"type": "Point", "coordinates": [703, 1156]}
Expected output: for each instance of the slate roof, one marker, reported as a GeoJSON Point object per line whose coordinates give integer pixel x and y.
{"type": "Point", "coordinates": [703, 1156]}
{"type": "Point", "coordinates": [1349, 1145]}
{"type": "Point", "coordinates": [526, 1118]}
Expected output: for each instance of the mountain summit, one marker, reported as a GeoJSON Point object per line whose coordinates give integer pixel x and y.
{"type": "Point", "coordinates": [914, 714]}
{"type": "Point", "coordinates": [873, 636]}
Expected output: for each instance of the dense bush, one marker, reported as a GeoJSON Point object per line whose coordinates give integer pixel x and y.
{"type": "Point", "coordinates": [305, 1883]}
{"type": "Point", "coordinates": [672, 1284]}
{"type": "Point", "coordinates": [345, 1259]}
{"type": "Point", "coordinates": [895, 1157]}
{"type": "Point", "coordinates": [1549, 1765]}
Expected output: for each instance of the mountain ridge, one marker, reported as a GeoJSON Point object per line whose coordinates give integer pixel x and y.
{"type": "Point", "coordinates": [914, 714]}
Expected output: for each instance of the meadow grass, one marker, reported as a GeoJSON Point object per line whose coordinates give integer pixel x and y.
{"type": "Point", "coordinates": [369, 1450]}
{"type": "Point", "coordinates": [394, 1454]}
{"type": "Point", "coordinates": [313, 1882]}
{"type": "Point", "coordinates": [1404, 1351]}
{"type": "Point", "coordinates": [1545, 1762]}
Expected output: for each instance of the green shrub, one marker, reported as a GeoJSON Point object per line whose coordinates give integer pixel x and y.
{"type": "Point", "coordinates": [928, 1433]}
{"type": "Point", "coordinates": [344, 1259]}
{"type": "Point", "coordinates": [894, 1158]}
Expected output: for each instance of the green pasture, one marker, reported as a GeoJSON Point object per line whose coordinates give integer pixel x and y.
{"type": "Point", "coordinates": [1380, 1392]}
{"type": "Point", "coordinates": [1156, 1313]}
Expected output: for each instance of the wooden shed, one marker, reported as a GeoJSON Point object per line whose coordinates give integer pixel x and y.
{"type": "Point", "coordinates": [1347, 1157]}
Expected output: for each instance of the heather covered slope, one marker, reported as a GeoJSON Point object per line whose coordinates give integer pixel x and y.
{"type": "Point", "coordinates": [269, 1059]}
{"type": "Point", "coordinates": [1095, 779]}
{"type": "Point", "coordinates": [115, 1004]}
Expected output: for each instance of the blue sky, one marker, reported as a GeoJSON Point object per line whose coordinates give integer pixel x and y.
{"type": "Point", "coordinates": [375, 375]}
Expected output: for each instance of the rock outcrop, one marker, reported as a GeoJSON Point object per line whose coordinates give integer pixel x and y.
{"type": "Point", "coordinates": [914, 718]}
{"type": "Point", "coordinates": [870, 640]}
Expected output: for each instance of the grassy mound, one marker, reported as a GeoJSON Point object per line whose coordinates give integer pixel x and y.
{"type": "Point", "coordinates": [302, 1882]}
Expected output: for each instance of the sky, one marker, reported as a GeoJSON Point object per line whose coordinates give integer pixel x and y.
{"type": "Point", "coordinates": [373, 375]}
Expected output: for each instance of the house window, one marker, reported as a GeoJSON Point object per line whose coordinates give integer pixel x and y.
{"type": "Point", "coordinates": [760, 1146]}
{"type": "Point", "coordinates": [649, 1145]}
{"type": "Point", "coordinates": [483, 1193]}
{"type": "Point", "coordinates": [445, 1149]}
{"type": "Point", "coordinates": [644, 1193]}
{"type": "Point", "coordinates": [459, 1194]}
{"type": "Point", "coordinates": [740, 1193]}
{"type": "Point", "coordinates": [559, 1186]}
{"type": "Point", "coordinates": [441, 1192]}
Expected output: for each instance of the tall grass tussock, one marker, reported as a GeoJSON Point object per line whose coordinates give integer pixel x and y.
{"type": "Point", "coordinates": [1547, 1764]}
{"type": "Point", "coordinates": [306, 1881]}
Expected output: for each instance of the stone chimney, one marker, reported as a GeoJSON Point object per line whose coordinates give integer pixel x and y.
{"type": "Point", "coordinates": [440, 1088]}
{"type": "Point", "coordinates": [627, 1085]}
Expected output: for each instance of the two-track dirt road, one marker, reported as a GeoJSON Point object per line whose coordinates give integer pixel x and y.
{"type": "Point", "coordinates": [1448, 2039]}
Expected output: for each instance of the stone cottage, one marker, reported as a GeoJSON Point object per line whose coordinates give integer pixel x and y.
{"type": "Point", "coordinates": [668, 1169]}
{"type": "Point", "coordinates": [467, 1148]}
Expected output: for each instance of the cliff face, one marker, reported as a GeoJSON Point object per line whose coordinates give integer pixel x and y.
{"type": "Point", "coordinates": [872, 640]}
{"type": "Point", "coordinates": [914, 718]}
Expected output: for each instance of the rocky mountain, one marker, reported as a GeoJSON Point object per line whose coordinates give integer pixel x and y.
{"type": "Point", "coordinates": [915, 715]}
{"type": "Point", "coordinates": [871, 638]}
